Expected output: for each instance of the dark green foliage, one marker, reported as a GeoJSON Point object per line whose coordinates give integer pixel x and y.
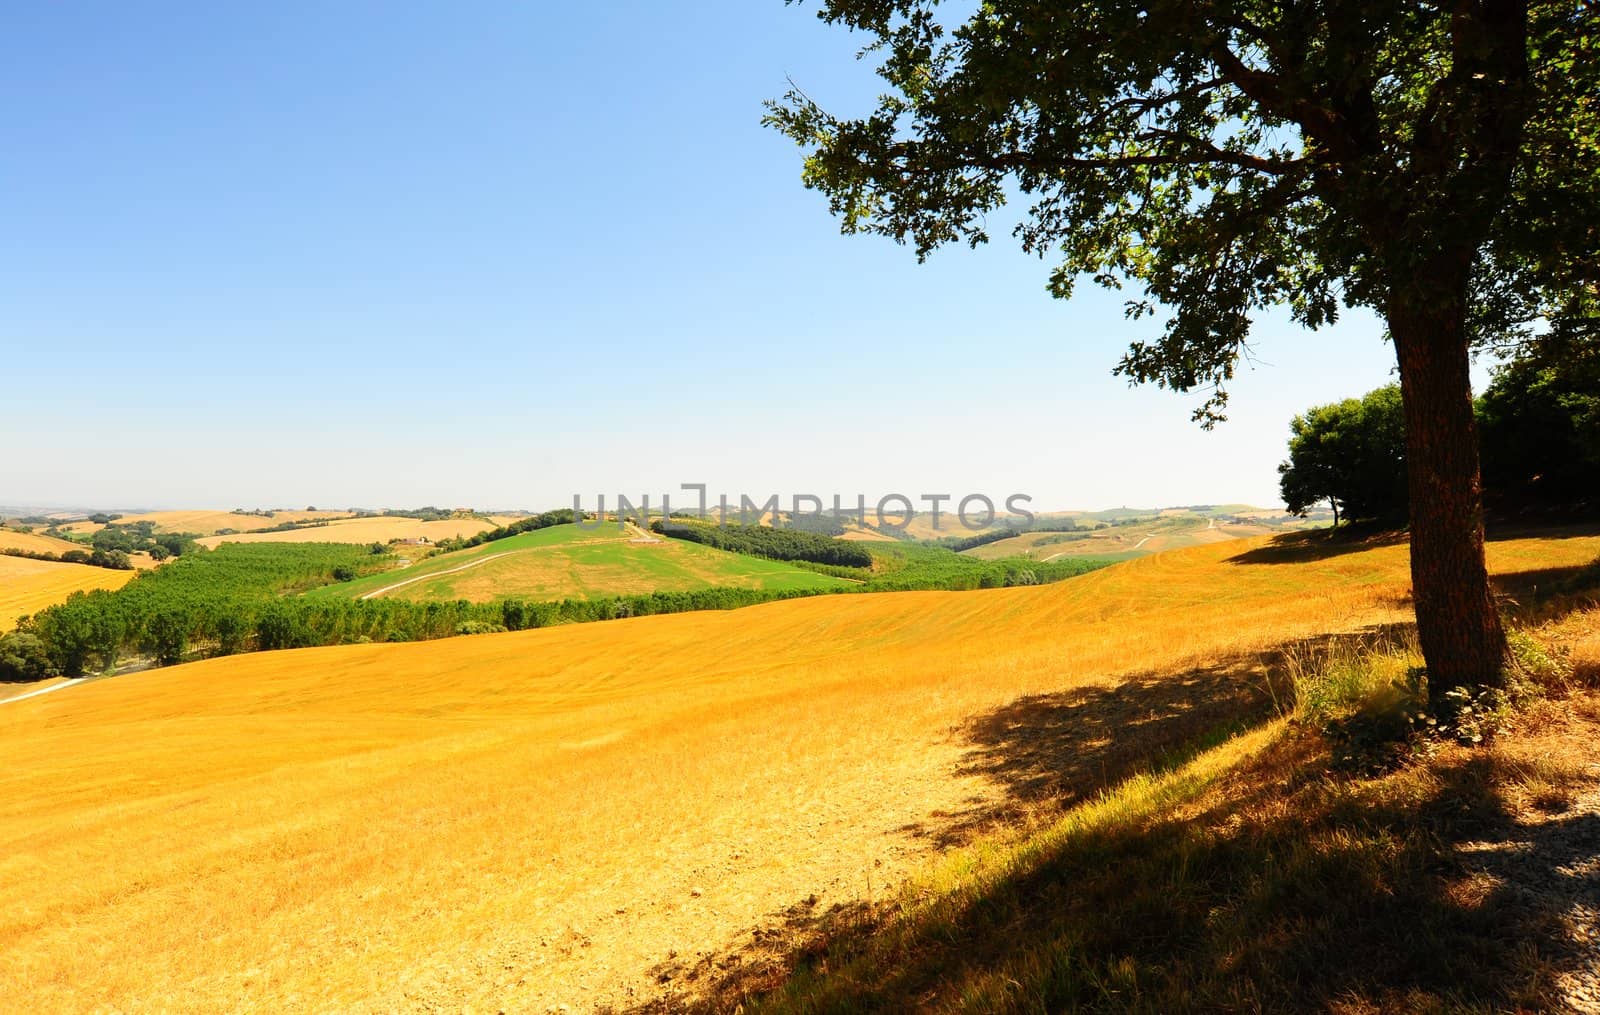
{"type": "Point", "coordinates": [137, 537]}
{"type": "Point", "coordinates": [23, 657]}
{"type": "Point", "coordinates": [771, 543]}
{"type": "Point", "coordinates": [1539, 422]}
{"type": "Point", "coordinates": [210, 600]}
{"type": "Point", "coordinates": [1352, 453]}
{"type": "Point", "coordinates": [114, 560]}
{"type": "Point", "coordinates": [166, 635]}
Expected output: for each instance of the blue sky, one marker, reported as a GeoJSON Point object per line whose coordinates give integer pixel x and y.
{"type": "Point", "coordinates": [496, 254]}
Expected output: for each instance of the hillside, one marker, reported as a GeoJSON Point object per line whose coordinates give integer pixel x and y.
{"type": "Point", "coordinates": [33, 542]}
{"type": "Point", "coordinates": [1140, 536]}
{"type": "Point", "coordinates": [565, 561]}
{"type": "Point", "coordinates": [206, 522]}
{"type": "Point", "coordinates": [575, 815]}
{"type": "Point", "coordinates": [380, 529]}
{"type": "Point", "coordinates": [28, 586]}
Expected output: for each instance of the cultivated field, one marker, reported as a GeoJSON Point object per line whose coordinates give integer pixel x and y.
{"type": "Point", "coordinates": [32, 542]}
{"type": "Point", "coordinates": [207, 522]}
{"type": "Point", "coordinates": [28, 586]}
{"type": "Point", "coordinates": [572, 815]}
{"type": "Point", "coordinates": [1120, 542]}
{"type": "Point", "coordinates": [565, 561]}
{"type": "Point", "coordinates": [365, 530]}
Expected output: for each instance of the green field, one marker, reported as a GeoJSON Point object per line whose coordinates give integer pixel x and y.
{"type": "Point", "coordinates": [564, 561]}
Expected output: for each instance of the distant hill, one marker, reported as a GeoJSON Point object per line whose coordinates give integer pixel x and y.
{"type": "Point", "coordinates": [28, 586]}
{"type": "Point", "coordinates": [565, 561]}
{"type": "Point", "coordinates": [1122, 534]}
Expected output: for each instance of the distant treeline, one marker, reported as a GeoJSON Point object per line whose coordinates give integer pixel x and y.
{"type": "Point", "coordinates": [1007, 531]}
{"type": "Point", "coordinates": [423, 514]}
{"type": "Point", "coordinates": [768, 542]}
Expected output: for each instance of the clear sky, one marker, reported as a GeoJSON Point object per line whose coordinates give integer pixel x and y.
{"type": "Point", "coordinates": [495, 254]}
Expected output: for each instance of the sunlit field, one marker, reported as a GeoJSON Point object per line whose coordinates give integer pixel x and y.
{"type": "Point", "coordinates": [28, 586]}
{"type": "Point", "coordinates": [33, 542]}
{"type": "Point", "coordinates": [207, 522]}
{"type": "Point", "coordinates": [366, 530]}
{"type": "Point", "coordinates": [571, 815]}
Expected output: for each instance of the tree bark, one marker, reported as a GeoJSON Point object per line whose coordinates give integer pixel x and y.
{"type": "Point", "coordinates": [1458, 624]}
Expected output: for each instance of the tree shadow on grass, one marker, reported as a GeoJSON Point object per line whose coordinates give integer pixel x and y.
{"type": "Point", "coordinates": [1319, 544]}
{"type": "Point", "coordinates": [1323, 544]}
{"type": "Point", "coordinates": [1051, 751]}
{"type": "Point", "coordinates": [1282, 887]}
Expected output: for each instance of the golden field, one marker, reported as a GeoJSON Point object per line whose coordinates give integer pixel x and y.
{"type": "Point", "coordinates": [205, 523]}
{"type": "Point", "coordinates": [366, 530]}
{"type": "Point", "coordinates": [563, 816]}
{"type": "Point", "coordinates": [32, 542]}
{"type": "Point", "coordinates": [28, 586]}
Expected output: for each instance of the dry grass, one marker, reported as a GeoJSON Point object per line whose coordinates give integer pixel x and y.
{"type": "Point", "coordinates": [362, 530]}
{"type": "Point", "coordinates": [571, 815]}
{"type": "Point", "coordinates": [28, 586]}
{"type": "Point", "coordinates": [32, 542]}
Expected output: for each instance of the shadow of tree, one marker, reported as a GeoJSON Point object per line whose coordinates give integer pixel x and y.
{"type": "Point", "coordinates": [1304, 547]}
{"type": "Point", "coordinates": [1286, 887]}
{"type": "Point", "coordinates": [1056, 750]}
{"type": "Point", "coordinates": [1322, 544]}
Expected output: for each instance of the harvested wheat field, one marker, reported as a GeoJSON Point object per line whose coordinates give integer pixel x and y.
{"type": "Point", "coordinates": [363, 530]}
{"type": "Point", "coordinates": [571, 816]}
{"type": "Point", "coordinates": [28, 586]}
{"type": "Point", "coordinates": [32, 542]}
{"type": "Point", "coordinates": [206, 523]}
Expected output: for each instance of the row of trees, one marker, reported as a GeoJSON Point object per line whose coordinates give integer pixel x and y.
{"type": "Point", "coordinates": [114, 560]}
{"type": "Point", "coordinates": [768, 542]}
{"type": "Point", "coordinates": [561, 516]}
{"type": "Point", "coordinates": [1538, 421]}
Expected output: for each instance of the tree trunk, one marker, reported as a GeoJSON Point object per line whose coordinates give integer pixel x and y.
{"type": "Point", "coordinates": [1458, 624]}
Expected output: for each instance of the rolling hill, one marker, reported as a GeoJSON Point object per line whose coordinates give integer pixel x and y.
{"type": "Point", "coordinates": [379, 529]}
{"type": "Point", "coordinates": [33, 542]}
{"type": "Point", "coordinates": [564, 561]}
{"type": "Point", "coordinates": [573, 815]}
{"type": "Point", "coordinates": [205, 522]}
{"type": "Point", "coordinates": [28, 586]}
{"type": "Point", "coordinates": [1140, 536]}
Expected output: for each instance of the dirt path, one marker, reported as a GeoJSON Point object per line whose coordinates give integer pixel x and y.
{"type": "Point", "coordinates": [438, 574]}
{"type": "Point", "coordinates": [44, 690]}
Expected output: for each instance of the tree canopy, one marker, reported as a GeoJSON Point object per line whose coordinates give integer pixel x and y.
{"type": "Point", "coordinates": [1439, 164]}
{"type": "Point", "coordinates": [1540, 419]}
{"type": "Point", "coordinates": [1352, 453]}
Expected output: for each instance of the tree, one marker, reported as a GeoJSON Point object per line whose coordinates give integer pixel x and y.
{"type": "Point", "coordinates": [23, 656]}
{"type": "Point", "coordinates": [1439, 164]}
{"type": "Point", "coordinates": [1540, 419]}
{"type": "Point", "coordinates": [1350, 453]}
